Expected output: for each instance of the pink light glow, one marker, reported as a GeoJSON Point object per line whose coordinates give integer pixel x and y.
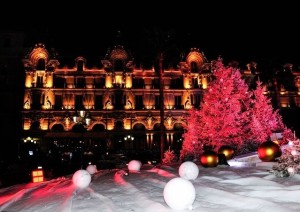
{"type": "Point", "coordinates": [118, 177]}
{"type": "Point", "coordinates": [162, 173]}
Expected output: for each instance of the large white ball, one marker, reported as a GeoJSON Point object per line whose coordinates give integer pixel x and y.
{"type": "Point", "coordinates": [134, 165]}
{"type": "Point", "coordinates": [91, 169]}
{"type": "Point", "coordinates": [179, 194]}
{"type": "Point", "coordinates": [188, 170]}
{"type": "Point", "coordinates": [81, 178]}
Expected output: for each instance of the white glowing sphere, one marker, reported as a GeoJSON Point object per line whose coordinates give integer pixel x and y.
{"type": "Point", "coordinates": [294, 152]}
{"type": "Point", "coordinates": [92, 169]}
{"type": "Point", "coordinates": [134, 165]}
{"type": "Point", "coordinates": [188, 170]}
{"type": "Point", "coordinates": [179, 194]}
{"type": "Point", "coordinates": [81, 179]}
{"type": "Point", "coordinates": [291, 171]}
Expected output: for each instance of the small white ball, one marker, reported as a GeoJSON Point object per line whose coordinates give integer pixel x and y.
{"type": "Point", "coordinates": [81, 178]}
{"type": "Point", "coordinates": [179, 194]}
{"type": "Point", "coordinates": [188, 170]}
{"type": "Point", "coordinates": [134, 165]}
{"type": "Point", "coordinates": [92, 169]}
{"type": "Point", "coordinates": [294, 152]}
{"type": "Point", "coordinates": [291, 171]}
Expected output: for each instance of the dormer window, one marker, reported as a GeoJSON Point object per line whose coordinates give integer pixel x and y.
{"type": "Point", "coordinates": [41, 64]}
{"type": "Point", "coordinates": [118, 65]}
{"type": "Point", "coordinates": [194, 67]}
{"type": "Point", "coordinates": [80, 63]}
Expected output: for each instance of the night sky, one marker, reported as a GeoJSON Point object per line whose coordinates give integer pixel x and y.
{"type": "Point", "coordinates": [244, 31]}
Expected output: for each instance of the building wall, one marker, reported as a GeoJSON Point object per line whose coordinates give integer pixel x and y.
{"type": "Point", "coordinates": [119, 99]}
{"type": "Point", "coordinates": [103, 105]}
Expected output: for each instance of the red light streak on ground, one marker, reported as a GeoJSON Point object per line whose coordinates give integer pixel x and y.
{"type": "Point", "coordinates": [162, 173]}
{"type": "Point", "coordinates": [39, 192]}
{"type": "Point", "coordinates": [118, 177]}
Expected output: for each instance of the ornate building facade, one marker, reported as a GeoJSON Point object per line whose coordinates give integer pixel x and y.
{"type": "Point", "coordinates": [113, 107]}
{"type": "Point", "coordinates": [117, 106]}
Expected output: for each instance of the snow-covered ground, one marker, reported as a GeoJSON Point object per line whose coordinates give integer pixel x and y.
{"type": "Point", "coordinates": [245, 185]}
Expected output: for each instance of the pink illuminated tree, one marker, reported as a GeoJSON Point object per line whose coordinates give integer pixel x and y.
{"type": "Point", "coordinates": [191, 147]}
{"type": "Point", "coordinates": [224, 117]}
{"type": "Point", "coordinates": [231, 115]}
{"type": "Point", "coordinates": [265, 119]}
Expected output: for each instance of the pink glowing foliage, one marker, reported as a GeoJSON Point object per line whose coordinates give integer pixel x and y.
{"type": "Point", "coordinates": [265, 119]}
{"type": "Point", "coordinates": [169, 157]}
{"type": "Point", "coordinates": [223, 118]}
{"type": "Point", "coordinates": [191, 147]}
{"type": "Point", "coordinates": [230, 114]}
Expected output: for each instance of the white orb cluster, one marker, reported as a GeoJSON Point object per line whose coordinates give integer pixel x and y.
{"type": "Point", "coordinates": [134, 165]}
{"type": "Point", "coordinates": [91, 169]}
{"type": "Point", "coordinates": [179, 194]}
{"type": "Point", "coordinates": [188, 170]}
{"type": "Point", "coordinates": [81, 178]}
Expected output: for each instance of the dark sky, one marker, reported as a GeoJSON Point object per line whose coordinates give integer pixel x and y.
{"type": "Point", "coordinates": [238, 31]}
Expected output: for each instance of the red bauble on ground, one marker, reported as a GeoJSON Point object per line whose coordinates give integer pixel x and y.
{"type": "Point", "coordinates": [227, 151]}
{"type": "Point", "coordinates": [209, 159]}
{"type": "Point", "coordinates": [268, 151]}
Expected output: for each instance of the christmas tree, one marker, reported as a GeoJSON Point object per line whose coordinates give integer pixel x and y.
{"type": "Point", "coordinates": [265, 119]}
{"type": "Point", "coordinates": [191, 147]}
{"type": "Point", "coordinates": [223, 116]}
{"type": "Point", "coordinates": [231, 115]}
{"type": "Point", "coordinates": [289, 162]}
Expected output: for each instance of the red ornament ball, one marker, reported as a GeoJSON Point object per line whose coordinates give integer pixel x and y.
{"type": "Point", "coordinates": [227, 151]}
{"type": "Point", "coordinates": [268, 151]}
{"type": "Point", "coordinates": [209, 159]}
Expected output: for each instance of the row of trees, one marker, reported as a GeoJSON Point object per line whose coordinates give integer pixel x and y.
{"type": "Point", "coordinates": [231, 114]}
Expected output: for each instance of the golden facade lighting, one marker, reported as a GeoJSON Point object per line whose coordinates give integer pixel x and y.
{"type": "Point", "coordinates": [186, 82]}
{"type": "Point", "coordinates": [108, 80]}
{"type": "Point", "coordinates": [28, 80]}
{"type": "Point", "coordinates": [204, 82]}
{"type": "Point", "coordinates": [282, 90]}
{"type": "Point", "coordinates": [128, 81]}
{"type": "Point", "coordinates": [26, 124]}
{"type": "Point", "coordinates": [89, 82]}
{"type": "Point", "coordinates": [70, 81]}
{"type": "Point", "coordinates": [148, 82]}
{"type": "Point", "coordinates": [127, 124]}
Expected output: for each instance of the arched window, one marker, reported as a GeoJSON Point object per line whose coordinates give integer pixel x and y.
{"type": "Point", "coordinates": [41, 64]}
{"type": "Point", "coordinates": [80, 65]}
{"type": "Point", "coordinates": [98, 128]}
{"type": "Point", "coordinates": [119, 125]}
{"type": "Point", "coordinates": [118, 65]}
{"type": "Point", "coordinates": [35, 125]}
{"type": "Point", "coordinates": [57, 128]}
{"type": "Point", "coordinates": [194, 67]}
